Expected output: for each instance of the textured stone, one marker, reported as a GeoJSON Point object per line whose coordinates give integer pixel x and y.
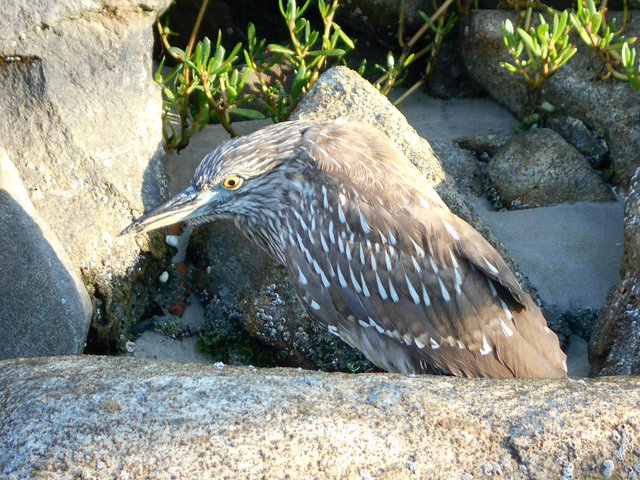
{"type": "Point", "coordinates": [615, 342]}
{"type": "Point", "coordinates": [44, 307]}
{"type": "Point", "coordinates": [577, 134]}
{"type": "Point", "coordinates": [540, 168]}
{"type": "Point", "coordinates": [82, 124]}
{"type": "Point", "coordinates": [104, 418]}
{"type": "Point", "coordinates": [609, 109]}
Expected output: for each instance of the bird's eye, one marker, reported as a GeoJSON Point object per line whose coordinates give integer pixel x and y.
{"type": "Point", "coordinates": [232, 182]}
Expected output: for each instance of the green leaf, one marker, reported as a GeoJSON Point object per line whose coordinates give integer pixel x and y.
{"type": "Point", "coordinates": [408, 60]}
{"type": "Point", "coordinates": [299, 25]}
{"type": "Point", "coordinates": [299, 82]}
{"type": "Point", "coordinates": [345, 38]}
{"type": "Point", "coordinates": [566, 55]}
{"type": "Point", "coordinates": [529, 41]}
{"type": "Point", "coordinates": [206, 49]}
{"type": "Point", "coordinates": [251, 32]}
{"type": "Point", "coordinates": [302, 10]}
{"type": "Point", "coordinates": [391, 62]}
{"type": "Point", "coordinates": [508, 66]}
{"type": "Point", "coordinates": [234, 53]}
{"type": "Point", "coordinates": [627, 56]}
{"type": "Point", "coordinates": [322, 8]}
{"type": "Point", "coordinates": [542, 30]}
{"type": "Point", "coordinates": [275, 48]}
{"type": "Point", "coordinates": [177, 51]}
{"type": "Point", "coordinates": [196, 57]}
{"type": "Point", "coordinates": [508, 34]}
{"type": "Point", "coordinates": [158, 75]}
{"type": "Point", "coordinates": [312, 39]}
{"type": "Point", "coordinates": [336, 52]}
{"type": "Point", "coordinates": [233, 79]}
{"type": "Point", "coordinates": [426, 19]}
{"type": "Point", "coordinates": [596, 22]}
{"type": "Point", "coordinates": [291, 12]}
{"type": "Point", "coordinates": [248, 61]}
{"type": "Point", "coordinates": [243, 78]}
{"type": "Point", "coordinates": [232, 93]}
{"type": "Point", "coordinates": [247, 113]}
{"type": "Point", "coordinates": [218, 56]}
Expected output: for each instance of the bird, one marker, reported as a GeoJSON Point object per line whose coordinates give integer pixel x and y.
{"type": "Point", "coordinates": [372, 251]}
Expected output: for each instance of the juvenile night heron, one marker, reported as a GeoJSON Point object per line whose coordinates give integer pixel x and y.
{"type": "Point", "coordinates": [372, 251]}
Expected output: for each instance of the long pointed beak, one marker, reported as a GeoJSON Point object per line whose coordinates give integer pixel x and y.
{"type": "Point", "coordinates": [183, 206]}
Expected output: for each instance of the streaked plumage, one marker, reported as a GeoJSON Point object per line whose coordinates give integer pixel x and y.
{"type": "Point", "coordinates": [373, 252]}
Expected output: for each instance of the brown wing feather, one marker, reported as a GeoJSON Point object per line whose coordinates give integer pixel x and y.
{"type": "Point", "coordinates": [391, 259]}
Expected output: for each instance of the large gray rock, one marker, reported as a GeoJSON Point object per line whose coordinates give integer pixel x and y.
{"type": "Point", "coordinates": [44, 307]}
{"type": "Point", "coordinates": [609, 109]}
{"type": "Point", "coordinates": [104, 418]}
{"type": "Point", "coordinates": [81, 120]}
{"type": "Point", "coordinates": [615, 342]}
{"type": "Point", "coordinates": [540, 168]}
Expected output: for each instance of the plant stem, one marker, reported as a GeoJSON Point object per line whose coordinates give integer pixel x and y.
{"type": "Point", "coordinates": [414, 39]}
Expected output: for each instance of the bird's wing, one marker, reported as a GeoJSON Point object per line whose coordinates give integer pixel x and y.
{"type": "Point", "coordinates": [381, 250]}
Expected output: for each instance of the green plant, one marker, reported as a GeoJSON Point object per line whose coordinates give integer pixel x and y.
{"type": "Point", "coordinates": [546, 51]}
{"type": "Point", "coordinates": [614, 50]}
{"type": "Point", "coordinates": [308, 54]}
{"type": "Point", "coordinates": [202, 72]}
{"type": "Point", "coordinates": [395, 71]}
{"type": "Point", "coordinates": [546, 48]}
{"type": "Point", "coordinates": [205, 85]}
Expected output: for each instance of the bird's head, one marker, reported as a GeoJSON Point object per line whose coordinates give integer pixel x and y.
{"type": "Point", "coordinates": [242, 177]}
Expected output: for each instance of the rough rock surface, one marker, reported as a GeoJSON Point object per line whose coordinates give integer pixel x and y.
{"type": "Point", "coordinates": [540, 168]}
{"type": "Point", "coordinates": [609, 109]}
{"type": "Point", "coordinates": [578, 135]}
{"type": "Point", "coordinates": [44, 307]}
{"type": "Point", "coordinates": [615, 341]}
{"type": "Point", "coordinates": [104, 418]}
{"type": "Point", "coordinates": [81, 121]}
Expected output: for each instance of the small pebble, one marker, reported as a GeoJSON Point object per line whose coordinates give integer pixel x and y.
{"type": "Point", "coordinates": [164, 276]}
{"type": "Point", "coordinates": [172, 240]}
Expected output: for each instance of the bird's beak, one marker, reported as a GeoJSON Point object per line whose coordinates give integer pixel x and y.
{"type": "Point", "coordinates": [185, 205]}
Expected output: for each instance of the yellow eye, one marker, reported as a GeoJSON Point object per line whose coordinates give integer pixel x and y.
{"type": "Point", "coordinates": [232, 182]}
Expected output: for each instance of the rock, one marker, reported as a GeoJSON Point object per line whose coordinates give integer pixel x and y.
{"type": "Point", "coordinates": [540, 168]}
{"type": "Point", "coordinates": [615, 341]}
{"type": "Point", "coordinates": [88, 146]}
{"type": "Point", "coordinates": [609, 109]}
{"type": "Point", "coordinates": [577, 134]}
{"type": "Point", "coordinates": [485, 145]}
{"type": "Point", "coordinates": [461, 165]}
{"type": "Point", "coordinates": [45, 308]}
{"type": "Point", "coordinates": [105, 417]}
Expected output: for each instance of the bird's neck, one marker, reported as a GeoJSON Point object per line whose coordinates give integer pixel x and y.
{"type": "Point", "coordinates": [270, 225]}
